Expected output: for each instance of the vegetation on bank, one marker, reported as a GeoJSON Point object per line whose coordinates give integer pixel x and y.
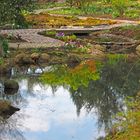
{"type": "Point", "coordinates": [128, 125]}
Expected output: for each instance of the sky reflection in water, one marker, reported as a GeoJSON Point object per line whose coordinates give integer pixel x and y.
{"type": "Point", "coordinates": [47, 115]}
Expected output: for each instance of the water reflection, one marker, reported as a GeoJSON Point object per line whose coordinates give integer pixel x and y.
{"type": "Point", "coordinates": [9, 131]}
{"type": "Point", "coordinates": [108, 93]}
{"type": "Point", "coordinates": [59, 111]}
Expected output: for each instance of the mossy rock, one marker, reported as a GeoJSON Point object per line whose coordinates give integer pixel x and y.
{"type": "Point", "coordinates": [10, 87]}
{"type": "Point", "coordinates": [44, 58]}
{"type": "Point", "coordinates": [35, 57]}
{"type": "Point", "coordinates": [23, 59]}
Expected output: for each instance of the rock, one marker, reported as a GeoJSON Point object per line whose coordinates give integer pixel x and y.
{"type": "Point", "coordinates": [10, 91]}
{"type": "Point", "coordinates": [10, 87]}
{"type": "Point", "coordinates": [35, 56]}
{"type": "Point", "coordinates": [23, 59]}
{"type": "Point", "coordinates": [138, 50]}
{"type": "Point", "coordinates": [44, 57]}
{"type": "Point", "coordinates": [5, 69]}
{"type": "Point", "coordinates": [6, 109]}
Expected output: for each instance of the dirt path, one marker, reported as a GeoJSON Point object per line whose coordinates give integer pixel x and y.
{"type": "Point", "coordinates": [34, 40]}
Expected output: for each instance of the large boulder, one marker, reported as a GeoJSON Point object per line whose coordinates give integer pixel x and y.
{"type": "Point", "coordinates": [6, 109]}
{"type": "Point", "coordinates": [10, 87]}
{"type": "Point", "coordinates": [44, 58]}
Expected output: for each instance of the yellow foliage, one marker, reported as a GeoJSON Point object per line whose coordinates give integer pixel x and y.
{"type": "Point", "coordinates": [45, 20]}
{"type": "Point", "coordinates": [91, 64]}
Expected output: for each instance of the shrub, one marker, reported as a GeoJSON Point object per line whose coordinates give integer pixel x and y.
{"type": "Point", "coordinates": [11, 11]}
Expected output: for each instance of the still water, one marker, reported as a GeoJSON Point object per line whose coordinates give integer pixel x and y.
{"type": "Point", "coordinates": [52, 109]}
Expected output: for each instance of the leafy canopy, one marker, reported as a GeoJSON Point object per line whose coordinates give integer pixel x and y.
{"type": "Point", "coordinates": [11, 11]}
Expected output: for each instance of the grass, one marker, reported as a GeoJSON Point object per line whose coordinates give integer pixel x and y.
{"type": "Point", "coordinates": [85, 10]}
{"type": "Point", "coordinates": [100, 8]}
{"type": "Point", "coordinates": [66, 11]}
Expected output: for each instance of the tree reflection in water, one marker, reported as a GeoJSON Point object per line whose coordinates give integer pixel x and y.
{"type": "Point", "coordinates": [105, 94]}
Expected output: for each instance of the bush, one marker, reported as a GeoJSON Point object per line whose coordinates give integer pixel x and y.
{"type": "Point", "coordinates": [11, 11]}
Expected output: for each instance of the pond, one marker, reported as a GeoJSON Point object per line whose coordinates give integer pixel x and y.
{"type": "Point", "coordinates": [64, 102]}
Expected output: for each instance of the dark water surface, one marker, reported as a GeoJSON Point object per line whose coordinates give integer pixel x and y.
{"type": "Point", "coordinates": [56, 107]}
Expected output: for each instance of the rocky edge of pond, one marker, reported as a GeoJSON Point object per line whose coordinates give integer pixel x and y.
{"type": "Point", "coordinates": [51, 56]}
{"type": "Point", "coordinates": [45, 58]}
{"type": "Point", "coordinates": [10, 87]}
{"type": "Point", "coordinates": [6, 109]}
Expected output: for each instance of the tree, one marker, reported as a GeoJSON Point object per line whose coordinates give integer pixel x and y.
{"type": "Point", "coordinates": [11, 11]}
